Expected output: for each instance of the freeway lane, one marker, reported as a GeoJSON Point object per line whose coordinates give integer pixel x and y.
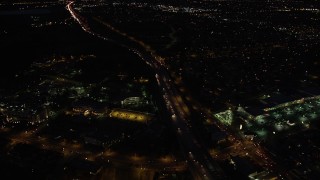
{"type": "Point", "coordinates": [198, 157]}
{"type": "Point", "coordinates": [199, 161]}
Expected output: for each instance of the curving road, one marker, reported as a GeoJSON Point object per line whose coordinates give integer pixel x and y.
{"type": "Point", "coordinates": [199, 160]}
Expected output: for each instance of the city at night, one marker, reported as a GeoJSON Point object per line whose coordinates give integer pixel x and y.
{"type": "Point", "coordinates": [160, 89]}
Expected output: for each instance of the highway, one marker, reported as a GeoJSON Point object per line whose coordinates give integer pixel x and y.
{"type": "Point", "coordinates": [200, 163]}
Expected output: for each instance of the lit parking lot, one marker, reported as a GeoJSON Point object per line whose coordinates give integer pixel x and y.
{"type": "Point", "coordinates": [130, 115]}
